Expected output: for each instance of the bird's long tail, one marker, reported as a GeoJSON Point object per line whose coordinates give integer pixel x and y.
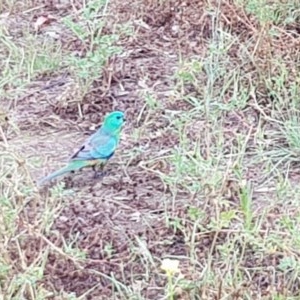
{"type": "Point", "coordinates": [72, 166]}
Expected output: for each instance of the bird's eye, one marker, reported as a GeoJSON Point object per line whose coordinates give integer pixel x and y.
{"type": "Point", "coordinates": [118, 117]}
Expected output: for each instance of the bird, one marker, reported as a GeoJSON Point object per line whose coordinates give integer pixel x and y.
{"type": "Point", "coordinates": [96, 150]}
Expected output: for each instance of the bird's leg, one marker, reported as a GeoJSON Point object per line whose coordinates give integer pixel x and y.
{"type": "Point", "coordinates": [98, 173]}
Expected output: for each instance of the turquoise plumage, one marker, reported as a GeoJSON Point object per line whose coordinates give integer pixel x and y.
{"type": "Point", "coordinates": [98, 148]}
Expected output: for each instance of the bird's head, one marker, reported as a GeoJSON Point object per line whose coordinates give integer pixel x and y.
{"type": "Point", "coordinates": [114, 121]}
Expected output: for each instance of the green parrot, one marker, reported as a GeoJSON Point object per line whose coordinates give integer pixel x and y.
{"type": "Point", "coordinates": [97, 149]}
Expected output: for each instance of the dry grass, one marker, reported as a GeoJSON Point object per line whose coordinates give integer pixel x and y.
{"type": "Point", "coordinates": [207, 170]}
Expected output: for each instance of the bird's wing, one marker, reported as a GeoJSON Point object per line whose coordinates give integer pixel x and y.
{"type": "Point", "coordinates": [98, 146]}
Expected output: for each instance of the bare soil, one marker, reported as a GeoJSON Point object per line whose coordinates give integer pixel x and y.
{"type": "Point", "coordinates": [126, 209]}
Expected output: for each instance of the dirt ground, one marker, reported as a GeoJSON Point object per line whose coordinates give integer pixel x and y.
{"type": "Point", "coordinates": [105, 239]}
